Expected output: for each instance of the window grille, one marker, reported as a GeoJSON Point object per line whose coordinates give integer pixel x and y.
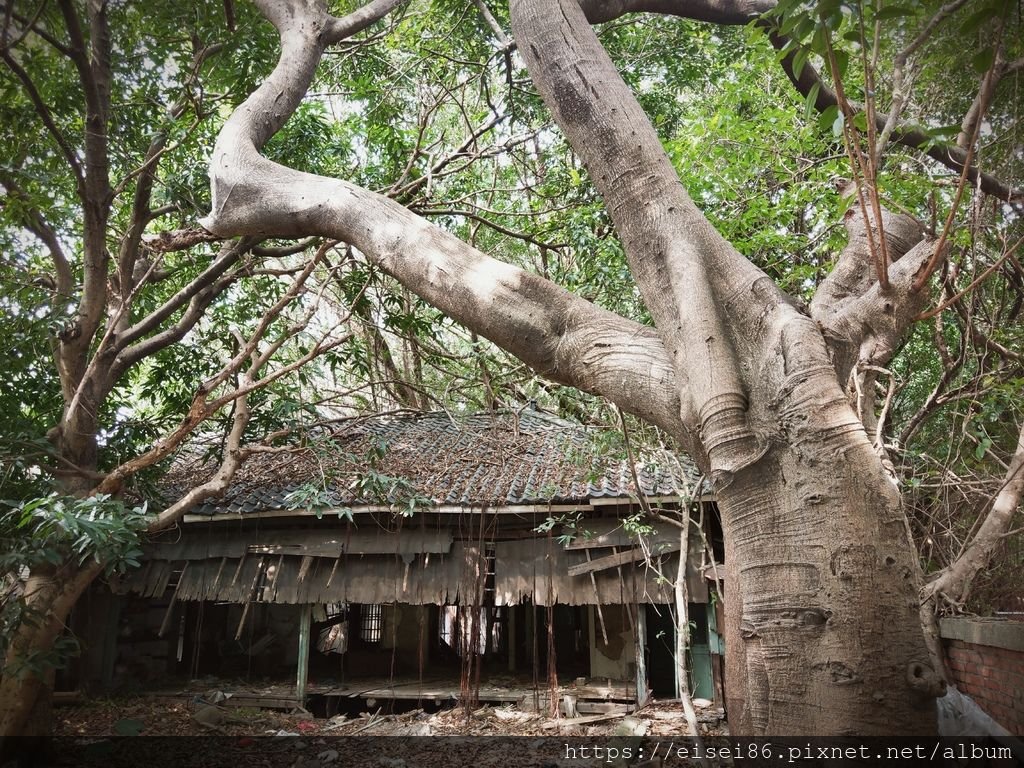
{"type": "Point", "coordinates": [371, 623]}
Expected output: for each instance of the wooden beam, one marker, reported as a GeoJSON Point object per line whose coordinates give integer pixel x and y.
{"type": "Point", "coordinates": [447, 509]}
{"type": "Point", "coordinates": [608, 561]}
{"type": "Point", "coordinates": [611, 533]}
{"type": "Point", "coordinates": [597, 596]}
{"type": "Point", "coordinates": [249, 598]}
{"type": "Point", "coordinates": [305, 622]}
{"type": "Point", "coordinates": [170, 606]}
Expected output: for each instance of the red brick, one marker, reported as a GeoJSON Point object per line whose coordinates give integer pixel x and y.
{"type": "Point", "coordinates": [972, 679]}
{"type": "Point", "coordinates": [1000, 698]}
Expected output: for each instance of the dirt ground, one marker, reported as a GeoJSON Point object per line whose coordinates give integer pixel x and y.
{"type": "Point", "coordinates": [264, 738]}
{"type": "Point", "coordinates": [157, 716]}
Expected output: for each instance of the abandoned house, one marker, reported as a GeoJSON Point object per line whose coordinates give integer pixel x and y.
{"type": "Point", "coordinates": [424, 557]}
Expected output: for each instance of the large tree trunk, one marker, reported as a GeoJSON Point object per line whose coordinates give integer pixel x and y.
{"type": "Point", "coordinates": [821, 586]}
{"type": "Point", "coordinates": [51, 593]}
{"type": "Point", "coordinates": [25, 690]}
{"type": "Point", "coordinates": [822, 634]}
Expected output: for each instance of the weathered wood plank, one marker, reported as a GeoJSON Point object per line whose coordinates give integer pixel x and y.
{"type": "Point", "coordinates": [604, 533]}
{"type": "Point", "coordinates": [602, 708]}
{"type": "Point", "coordinates": [608, 561]}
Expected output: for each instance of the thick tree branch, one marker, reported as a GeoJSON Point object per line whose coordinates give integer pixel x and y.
{"type": "Point", "coordinates": [850, 306]}
{"type": "Point", "coordinates": [234, 455]}
{"type": "Point", "coordinates": [92, 62]}
{"type": "Point", "coordinates": [339, 29]}
{"type": "Point", "coordinates": [560, 335]}
{"type": "Point", "coordinates": [671, 247]}
{"type": "Point", "coordinates": [37, 225]}
{"type": "Point", "coordinates": [199, 294]}
{"type": "Point", "coordinates": [68, 152]}
{"type": "Point", "coordinates": [714, 11]}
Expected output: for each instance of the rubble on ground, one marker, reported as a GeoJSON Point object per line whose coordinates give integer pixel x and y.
{"type": "Point", "coordinates": [159, 716]}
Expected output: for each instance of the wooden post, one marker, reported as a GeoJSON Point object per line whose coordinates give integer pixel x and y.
{"type": "Point", "coordinates": [305, 622]}
{"type": "Point", "coordinates": [641, 649]}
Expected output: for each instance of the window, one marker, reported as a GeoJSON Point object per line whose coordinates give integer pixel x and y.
{"type": "Point", "coordinates": [370, 623]}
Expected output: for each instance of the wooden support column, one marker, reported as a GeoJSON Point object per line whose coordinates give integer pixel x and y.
{"type": "Point", "coordinates": [641, 649]}
{"type": "Point", "coordinates": [305, 622]}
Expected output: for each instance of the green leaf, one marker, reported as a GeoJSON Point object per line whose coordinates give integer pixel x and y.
{"type": "Point", "coordinates": [894, 12]}
{"type": "Point", "coordinates": [845, 202]}
{"type": "Point", "coordinates": [819, 43]}
{"type": "Point", "coordinates": [799, 60]}
{"type": "Point", "coordinates": [982, 60]}
{"type": "Point", "coordinates": [828, 117]}
{"type": "Point", "coordinates": [976, 19]}
{"type": "Point", "coordinates": [838, 123]}
{"type": "Point", "coordinates": [790, 23]}
{"type": "Point", "coordinates": [809, 102]}
{"type": "Point", "coordinates": [842, 59]}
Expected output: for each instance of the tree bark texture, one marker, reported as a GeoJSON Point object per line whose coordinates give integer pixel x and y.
{"type": "Point", "coordinates": [52, 593]}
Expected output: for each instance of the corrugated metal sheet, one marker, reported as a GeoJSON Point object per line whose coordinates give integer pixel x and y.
{"type": "Point", "coordinates": [485, 459]}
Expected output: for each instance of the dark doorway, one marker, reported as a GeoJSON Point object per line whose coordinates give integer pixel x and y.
{"type": "Point", "coordinates": [661, 649]}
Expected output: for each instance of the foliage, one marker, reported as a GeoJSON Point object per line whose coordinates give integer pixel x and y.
{"type": "Point", "coordinates": [45, 532]}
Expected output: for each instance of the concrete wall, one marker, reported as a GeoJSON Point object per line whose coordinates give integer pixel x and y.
{"type": "Point", "coordinates": [986, 660]}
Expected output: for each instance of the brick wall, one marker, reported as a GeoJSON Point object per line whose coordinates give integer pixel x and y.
{"type": "Point", "coordinates": [986, 660]}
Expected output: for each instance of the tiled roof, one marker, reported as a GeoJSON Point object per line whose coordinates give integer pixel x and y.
{"type": "Point", "coordinates": [492, 459]}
